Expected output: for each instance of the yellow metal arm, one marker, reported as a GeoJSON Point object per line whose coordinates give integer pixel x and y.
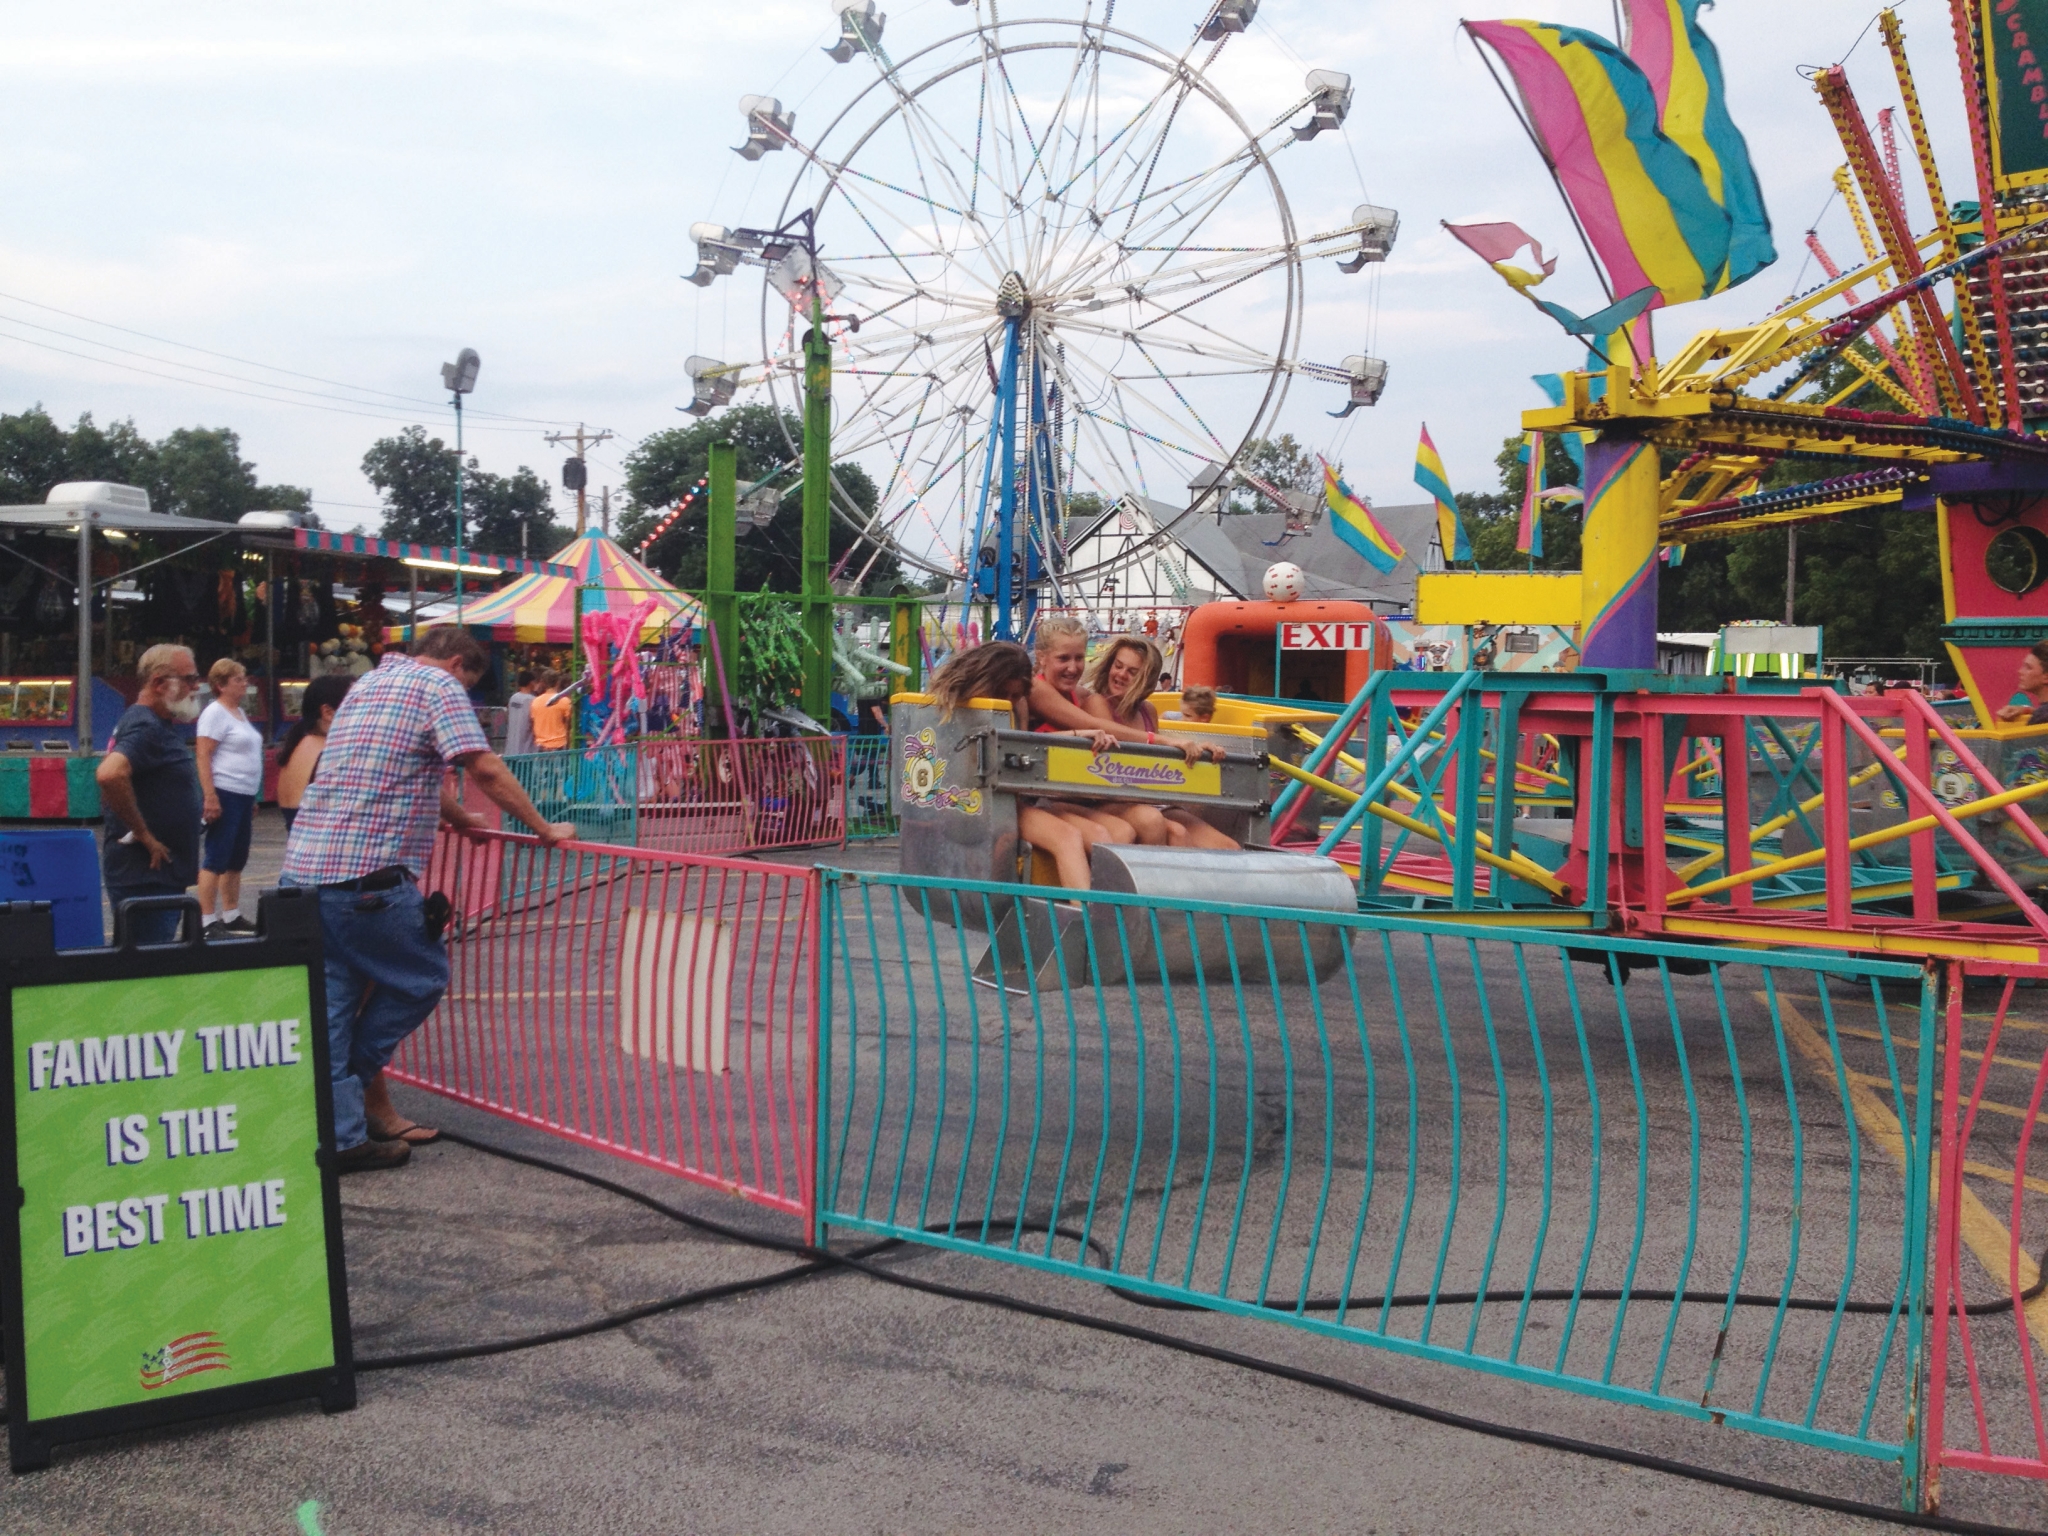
{"type": "Point", "coordinates": [1516, 865]}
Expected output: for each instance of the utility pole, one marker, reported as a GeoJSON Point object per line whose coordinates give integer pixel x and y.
{"type": "Point", "coordinates": [584, 441]}
{"type": "Point", "coordinates": [817, 525]}
{"type": "Point", "coordinates": [1791, 570]}
{"type": "Point", "coordinates": [605, 511]}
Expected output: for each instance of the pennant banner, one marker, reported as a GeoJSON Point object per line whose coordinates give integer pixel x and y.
{"type": "Point", "coordinates": [1352, 521]}
{"type": "Point", "coordinates": [1429, 474]}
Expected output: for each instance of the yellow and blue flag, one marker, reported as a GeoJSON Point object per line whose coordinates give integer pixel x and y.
{"type": "Point", "coordinates": [1684, 71]}
{"type": "Point", "coordinates": [1352, 521]}
{"type": "Point", "coordinates": [1429, 474]}
{"type": "Point", "coordinates": [1642, 201]}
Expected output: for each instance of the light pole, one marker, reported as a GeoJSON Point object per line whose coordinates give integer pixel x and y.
{"type": "Point", "coordinates": [459, 378]}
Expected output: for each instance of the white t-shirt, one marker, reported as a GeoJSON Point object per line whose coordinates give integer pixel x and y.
{"type": "Point", "coordinates": [238, 759]}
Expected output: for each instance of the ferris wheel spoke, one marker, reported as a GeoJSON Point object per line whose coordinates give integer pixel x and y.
{"type": "Point", "coordinates": [1222, 349]}
{"type": "Point", "coordinates": [1180, 311]}
{"type": "Point", "coordinates": [1249, 157]}
{"type": "Point", "coordinates": [1208, 270]}
{"type": "Point", "coordinates": [1138, 411]}
{"type": "Point", "coordinates": [879, 420]}
{"type": "Point", "coordinates": [959, 333]}
{"type": "Point", "coordinates": [927, 135]}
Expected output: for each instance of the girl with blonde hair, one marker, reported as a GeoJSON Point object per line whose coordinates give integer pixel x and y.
{"type": "Point", "coordinates": [1001, 669]}
{"type": "Point", "coordinates": [1118, 684]}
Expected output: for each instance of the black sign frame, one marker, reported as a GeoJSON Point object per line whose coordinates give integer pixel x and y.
{"type": "Point", "coordinates": [288, 935]}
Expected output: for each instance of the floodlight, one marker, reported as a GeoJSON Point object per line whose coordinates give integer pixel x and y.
{"type": "Point", "coordinates": [460, 375]}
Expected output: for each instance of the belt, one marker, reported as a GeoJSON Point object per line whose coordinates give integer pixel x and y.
{"type": "Point", "coordinates": [377, 880]}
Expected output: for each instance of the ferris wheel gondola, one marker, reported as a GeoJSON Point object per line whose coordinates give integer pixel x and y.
{"type": "Point", "coordinates": [1059, 267]}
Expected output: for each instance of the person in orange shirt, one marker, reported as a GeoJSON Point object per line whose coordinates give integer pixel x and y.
{"type": "Point", "coordinates": [551, 710]}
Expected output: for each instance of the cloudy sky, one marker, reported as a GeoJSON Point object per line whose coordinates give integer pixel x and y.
{"type": "Point", "coordinates": [283, 219]}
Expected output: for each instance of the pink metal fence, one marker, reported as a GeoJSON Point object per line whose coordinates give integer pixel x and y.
{"type": "Point", "coordinates": [1990, 1318]}
{"type": "Point", "coordinates": [655, 1005]}
{"type": "Point", "coordinates": [696, 796]}
{"type": "Point", "coordinates": [760, 793]}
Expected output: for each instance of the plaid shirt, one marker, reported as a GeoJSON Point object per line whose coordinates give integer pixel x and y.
{"type": "Point", "coordinates": [376, 797]}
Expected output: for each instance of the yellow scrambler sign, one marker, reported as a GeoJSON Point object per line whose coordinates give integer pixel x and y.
{"type": "Point", "coordinates": [1123, 770]}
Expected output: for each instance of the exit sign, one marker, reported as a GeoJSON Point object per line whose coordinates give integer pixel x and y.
{"type": "Point", "coordinates": [1326, 637]}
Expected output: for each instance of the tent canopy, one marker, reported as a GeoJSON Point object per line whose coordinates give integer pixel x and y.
{"type": "Point", "coordinates": [542, 609]}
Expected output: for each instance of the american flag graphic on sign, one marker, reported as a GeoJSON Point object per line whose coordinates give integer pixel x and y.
{"type": "Point", "coordinates": [186, 1356]}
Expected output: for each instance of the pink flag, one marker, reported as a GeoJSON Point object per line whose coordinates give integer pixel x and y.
{"type": "Point", "coordinates": [1497, 242]}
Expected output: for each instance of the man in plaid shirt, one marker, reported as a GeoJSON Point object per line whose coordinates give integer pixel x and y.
{"type": "Point", "coordinates": [363, 837]}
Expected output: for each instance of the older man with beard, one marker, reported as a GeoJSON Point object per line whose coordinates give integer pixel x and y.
{"type": "Point", "coordinates": [149, 785]}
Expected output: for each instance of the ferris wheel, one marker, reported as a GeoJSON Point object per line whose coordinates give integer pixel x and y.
{"type": "Point", "coordinates": [1059, 268]}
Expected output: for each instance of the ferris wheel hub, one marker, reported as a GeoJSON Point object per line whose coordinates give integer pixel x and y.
{"type": "Point", "coordinates": [1013, 300]}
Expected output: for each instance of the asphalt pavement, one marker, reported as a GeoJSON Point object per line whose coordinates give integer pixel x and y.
{"type": "Point", "coordinates": [842, 1403]}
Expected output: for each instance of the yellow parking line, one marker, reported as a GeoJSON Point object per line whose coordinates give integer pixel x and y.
{"type": "Point", "coordinates": [1983, 1233]}
{"type": "Point", "coordinates": [1907, 1043]}
{"type": "Point", "coordinates": [2030, 1025]}
{"type": "Point", "coordinates": [2004, 1176]}
{"type": "Point", "coordinates": [1994, 1106]}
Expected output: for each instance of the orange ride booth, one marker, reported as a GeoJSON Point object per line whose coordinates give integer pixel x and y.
{"type": "Point", "coordinates": [1233, 648]}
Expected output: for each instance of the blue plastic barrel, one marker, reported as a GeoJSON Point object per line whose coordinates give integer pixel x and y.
{"type": "Point", "coordinates": [61, 867]}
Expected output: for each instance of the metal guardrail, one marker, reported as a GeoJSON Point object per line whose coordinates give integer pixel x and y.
{"type": "Point", "coordinates": [655, 1005]}
{"type": "Point", "coordinates": [870, 788]}
{"type": "Point", "coordinates": [1668, 1176]}
{"type": "Point", "coordinates": [695, 795]}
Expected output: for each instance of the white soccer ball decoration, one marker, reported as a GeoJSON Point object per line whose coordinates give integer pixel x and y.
{"type": "Point", "coordinates": [1285, 582]}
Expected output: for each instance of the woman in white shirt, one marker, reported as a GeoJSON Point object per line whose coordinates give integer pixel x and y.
{"type": "Point", "coordinates": [230, 778]}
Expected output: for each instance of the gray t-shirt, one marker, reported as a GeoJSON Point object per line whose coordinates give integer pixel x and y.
{"type": "Point", "coordinates": [519, 723]}
{"type": "Point", "coordinates": [166, 778]}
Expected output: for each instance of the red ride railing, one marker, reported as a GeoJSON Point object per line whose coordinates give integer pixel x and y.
{"type": "Point", "coordinates": [655, 1005]}
{"type": "Point", "coordinates": [1990, 1323]}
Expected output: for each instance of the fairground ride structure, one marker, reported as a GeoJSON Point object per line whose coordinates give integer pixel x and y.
{"type": "Point", "coordinates": [1057, 266]}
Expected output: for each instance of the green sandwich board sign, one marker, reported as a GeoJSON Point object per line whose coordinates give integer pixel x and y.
{"type": "Point", "coordinates": [163, 1119]}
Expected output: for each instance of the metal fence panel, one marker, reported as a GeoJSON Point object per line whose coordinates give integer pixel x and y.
{"type": "Point", "coordinates": [695, 796]}
{"type": "Point", "coordinates": [870, 789]}
{"type": "Point", "coordinates": [658, 1006]}
{"type": "Point", "coordinates": [1662, 1175]}
{"type": "Point", "coordinates": [1991, 1320]}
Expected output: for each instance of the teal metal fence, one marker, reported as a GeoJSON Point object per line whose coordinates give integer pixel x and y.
{"type": "Point", "coordinates": [1669, 1176]}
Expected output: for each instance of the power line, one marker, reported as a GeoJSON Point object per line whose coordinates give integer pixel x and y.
{"type": "Point", "coordinates": [169, 362]}
{"type": "Point", "coordinates": [272, 399]}
{"type": "Point", "coordinates": [247, 362]}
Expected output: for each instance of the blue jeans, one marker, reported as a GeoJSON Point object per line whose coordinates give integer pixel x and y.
{"type": "Point", "coordinates": [159, 926]}
{"type": "Point", "coordinates": [384, 976]}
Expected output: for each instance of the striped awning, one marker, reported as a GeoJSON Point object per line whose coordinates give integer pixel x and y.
{"type": "Point", "coordinates": [323, 541]}
{"type": "Point", "coordinates": [542, 609]}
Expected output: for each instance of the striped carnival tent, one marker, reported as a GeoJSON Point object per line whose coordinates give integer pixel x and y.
{"type": "Point", "coordinates": [542, 609]}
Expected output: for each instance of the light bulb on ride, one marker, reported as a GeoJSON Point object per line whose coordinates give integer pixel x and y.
{"type": "Point", "coordinates": [1285, 582]}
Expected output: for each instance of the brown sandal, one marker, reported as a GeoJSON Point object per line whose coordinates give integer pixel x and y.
{"type": "Point", "coordinates": [411, 1133]}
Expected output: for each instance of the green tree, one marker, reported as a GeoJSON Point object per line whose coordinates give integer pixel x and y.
{"type": "Point", "coordinates": [1493, 519]}
{"type": "Point", "coordinates": [1280, 462]}
{"type": "Point", "coordinates": [666, 466]}
{"type": "Point", "coordinates": [415, 476]}
{"type": "Point", "coordinates": [193, 472]}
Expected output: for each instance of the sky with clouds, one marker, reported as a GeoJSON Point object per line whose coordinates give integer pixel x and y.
{"type": "Point", "coordinates": [284, 219]}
